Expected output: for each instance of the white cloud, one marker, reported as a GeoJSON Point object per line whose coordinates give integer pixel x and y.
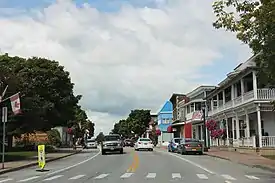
{"type": "Point", "coordinates": [132, 58]}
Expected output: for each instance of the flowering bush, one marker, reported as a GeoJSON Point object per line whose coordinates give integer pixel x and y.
{"type": "Point", "coordinates": [212, 126]}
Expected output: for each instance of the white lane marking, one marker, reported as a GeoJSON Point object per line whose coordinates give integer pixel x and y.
{"type": "Point", "coordinates": [101, 176]}
{"type": "Point", "coordinates": [188, 161]}
{"type": "Point", "coordinates": [76, 177]}
{"type": "Point", "coordinates": [5, 180]}
{"type": "Point", "coordinates": [72, 166]}
{"type": "Point", "coordinates": [252, 177]}
{"type": "Point", "coordinates": [227, 181]}
{"type": "Point", "coordinates": [228, 177]}
{"type": "Point", "coordinates": [126, 175]}
{"type": "Point", "coordinates": [202, 176]}
{"type": "Point", "coordinates": [54, 177]}
{"type": "Point", "coordinates": [28, 179]}
{"type": "Point", "coordinates": [151, 175]}
{"type": "Point", "coordinates": [176, 175]}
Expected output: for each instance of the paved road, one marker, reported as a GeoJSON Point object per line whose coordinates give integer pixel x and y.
{"type": "Point", "coordinates": [158, 166]}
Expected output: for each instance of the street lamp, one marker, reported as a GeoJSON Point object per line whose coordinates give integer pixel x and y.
{"type": "Point", "coordinates": [204, 129]}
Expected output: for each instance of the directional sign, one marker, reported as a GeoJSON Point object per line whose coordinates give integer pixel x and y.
{"type": "Point", "coordinates": [41, 156]}
{"type": "Point", "coordinates": [4, 114]}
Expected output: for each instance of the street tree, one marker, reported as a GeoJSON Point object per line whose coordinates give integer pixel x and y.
{"type": "Point", "coordinates": [100, 137]}
{"type": "Point", "coordinates": [253, 21]}
{"type": "Point", "coordinates": [138, 121]}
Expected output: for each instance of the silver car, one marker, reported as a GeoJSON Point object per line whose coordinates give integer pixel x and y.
{"type": "Point", "coordinates": [91, 143]}
{"type": "Point", "coordinates": [112, 143]}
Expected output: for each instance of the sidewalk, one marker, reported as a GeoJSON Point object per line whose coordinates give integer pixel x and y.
{"type": "Point", "coordinates": [17, 165]}
{"type": "Point", "coordinates": [245, 159]}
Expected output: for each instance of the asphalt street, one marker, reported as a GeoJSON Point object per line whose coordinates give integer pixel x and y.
{"type": "Point", "coordinates": [158, 166]}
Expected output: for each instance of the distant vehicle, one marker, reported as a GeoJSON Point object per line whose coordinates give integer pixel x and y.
{"type": "Point", "coordinates": [91, 143]}
{"type": "Point", "coordinates": [129, 143]}
{"type": "Point", "coordinates": [112, 143]}
{"type": "Point", "coordinates": [144, 143]}
{"type": "Point", "coordinates": [190, 146]}
{"type": "Point", "coordinates": [173, 144]}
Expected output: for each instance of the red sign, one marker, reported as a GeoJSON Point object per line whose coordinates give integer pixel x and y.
{"type": "Point", "coordinates": [197, 115]}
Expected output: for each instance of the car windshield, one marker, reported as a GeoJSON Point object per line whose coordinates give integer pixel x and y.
{"type": "Point", "coordinates": [112, 138]}
{"type": "Point", "coordinates": [89, 140]}
{"type": "Point", "coordinates": [177, 140]}
{"type": "Point", "coordinates": [146, 140]}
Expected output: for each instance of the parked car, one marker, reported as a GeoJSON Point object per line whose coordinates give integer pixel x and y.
{"type": "Point", "coordinates": [144, 143]}
{"type": "Point", "coordinates": [91, 143]}
{"type": "Point", "coordinates": [189, 145]}
{"type": "Point", "coordinates": [112, 143]}
{"type": "Point", "coordinates": [173, 144]}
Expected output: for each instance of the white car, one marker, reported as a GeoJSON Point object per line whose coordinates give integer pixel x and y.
{"type": "Point", "coordinates": [144, 143]}
{"type": "Point", "coordinates": [91, 143]}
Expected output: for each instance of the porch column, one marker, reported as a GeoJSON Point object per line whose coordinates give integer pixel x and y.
{"type": "Point", "coordinates": [223, 97]}
{"type": "Point", "coordinates": [201, 132]}
{"type": "Point", "coordinates": [212, 104]}
{"type": "Point", "coordinates": [255, 88]}
{"type": "Point", "coordinates": [227, 134]}
{"type": "Point", "coordinates": [233, 128]}
{"type": "Point", "coordinates": [237, 127]}
{"type": "Point", "coordinates": [259, 126]}
{"type": "Point", "coordinates": [217, 101]}
{"type": "Point", "coordinates": [232, 94]}
{"type": "Point", "coordinates": [242, 88]}
{"type": "Point", "coordinates": [247, 124]}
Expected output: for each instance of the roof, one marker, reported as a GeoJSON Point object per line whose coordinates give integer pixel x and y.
{"type": "Point", "coordinates": [174, 95]}
{"type": "Point", "coordinates": [199, 89]}
{"type": "Point", "coordinates": [242, 68]}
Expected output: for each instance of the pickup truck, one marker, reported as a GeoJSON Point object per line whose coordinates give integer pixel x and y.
{"type": "Point", "coordinates": [112, 143]}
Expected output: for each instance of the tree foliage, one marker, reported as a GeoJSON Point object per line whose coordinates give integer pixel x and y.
{"type": "Point", "coordinates": [136, 123]}
{"type": "Point", "coordinates": [100, 137]}
{"type": "Point", "coordinates": [46, 90]}
{"type": "Point", "coordinates": [254, 23]}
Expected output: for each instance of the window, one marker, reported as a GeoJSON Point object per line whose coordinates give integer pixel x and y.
{"type": "Point", "coordinates": [188, 109]}
{"type": "Point", "coordinates": [198, 106]}
{"type": "Point", "coordinates": [145, 140]}
{"type": "Point", "coordinates": [192, 107]}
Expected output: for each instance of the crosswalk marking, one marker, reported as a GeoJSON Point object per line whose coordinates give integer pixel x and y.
{"type": "Point", "coordinates": [228, 177]}
{"type": "Point", "coordinates": [151, 175]}
{"type": "Point", "coordinates": [6, 180]}
{"type": "Point", "coordinates": [252, 177]}
{"type": "Point", "coordinates": [176, 175]}
{"type": "Point", "coordinates": [202, 176]}
{"type": "Point", "coordinates": [126, 175]}
{"type": "Point", "coordinates": [54, 177]}
{"type": "Point", "coordinates": [28, 179]}
{"type": "Point", "coordinates": [76, 177]}
{"type": "Point", "coordinates": [101, 176]}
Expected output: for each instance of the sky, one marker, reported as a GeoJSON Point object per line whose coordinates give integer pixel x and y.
{"type": "Point", "coordinates": [123, 54]}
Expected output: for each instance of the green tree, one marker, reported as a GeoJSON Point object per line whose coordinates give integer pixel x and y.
{"type": "Point", "coordinates": [254, 23]}
{"type": "Point", "coordinates": [100, 137]}
{"type": "Point", "coordinates": [46, 91]}
{"type": "Point", "coordinates": [138, 120]}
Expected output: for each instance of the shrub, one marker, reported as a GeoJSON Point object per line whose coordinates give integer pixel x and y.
{"type": "Point", "coordinates": [54, 137]}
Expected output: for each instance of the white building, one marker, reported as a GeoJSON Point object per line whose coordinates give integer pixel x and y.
{"type": "Point", "coordinates": [243, 107]}
{"type": "Point", "coordinates": [190, 116]}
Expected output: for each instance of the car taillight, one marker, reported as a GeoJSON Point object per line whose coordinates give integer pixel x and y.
{"type": "Point", "coordinates": [187, 145]}
{"type": "Point", "coordinates": [139, 142]}
{"type": "Point", "coordinates": [150, 142]}
{"type": "Point", "coordinates": [174, 144]}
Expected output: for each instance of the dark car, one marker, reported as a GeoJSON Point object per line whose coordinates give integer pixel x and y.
{"type": "Point", "coordinates": [112, 143]}
{"type": "Point", "coordinates": [129, 143]}
{"type": "Point", "coordinates": [189, 145]}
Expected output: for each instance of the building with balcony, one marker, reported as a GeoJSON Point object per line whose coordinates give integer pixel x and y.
{"type": "Point", "coordinates": [190, 117]}
{"type": "Point", "coordinates": [165, 116]}
{"type": "Point", "coordinates": [242, 106]}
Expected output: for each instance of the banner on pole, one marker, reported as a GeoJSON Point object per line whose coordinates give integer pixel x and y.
{"type": "Point", "coordinates": [15, 103]}
{"type": "Point", "coordinates": [41, 157]}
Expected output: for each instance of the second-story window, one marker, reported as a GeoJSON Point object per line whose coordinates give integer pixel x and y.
{"type": "Point", "coordinates": [188, 109]}
{"type": "Point", "coordinates": [198, 106]}
{"type": "Point", "coordinates": [192, 107]}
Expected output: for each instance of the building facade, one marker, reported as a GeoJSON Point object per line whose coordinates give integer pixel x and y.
{"type": "Point", "coordinates": [165, 116]}
{"type": "Point", "coordinates": [190, 117]}
{"type": "Point", "coordinates": [242, 106]}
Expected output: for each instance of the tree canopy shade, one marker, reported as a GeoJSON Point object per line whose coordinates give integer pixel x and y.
{"type": "Point", "coordinates": [254, 23]}
{"type": "Point", "coordinates": [136, 123]}
{"type": "Point", "coordinates": [46, 90]}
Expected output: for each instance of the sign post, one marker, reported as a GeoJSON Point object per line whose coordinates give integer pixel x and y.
{"type": "Point", "coordinates": [41, 157]}
{"type": "Point", "coordinates": [4, 120]}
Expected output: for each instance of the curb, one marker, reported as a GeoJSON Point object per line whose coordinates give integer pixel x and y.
{"type": "Point", "coordinates": [252, 166]}
{"type": "Point", "coordinates": [35, 163]}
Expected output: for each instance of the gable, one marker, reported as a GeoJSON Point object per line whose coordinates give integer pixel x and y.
{"type": "Point", "coordinates": [167, 107]}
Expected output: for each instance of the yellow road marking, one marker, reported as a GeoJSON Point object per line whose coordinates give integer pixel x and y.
{"type": "Point", "coordinates": [134, 164]}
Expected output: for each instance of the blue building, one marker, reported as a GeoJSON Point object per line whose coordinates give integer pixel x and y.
{"type": "Point", "coordinates": [165, 118]}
